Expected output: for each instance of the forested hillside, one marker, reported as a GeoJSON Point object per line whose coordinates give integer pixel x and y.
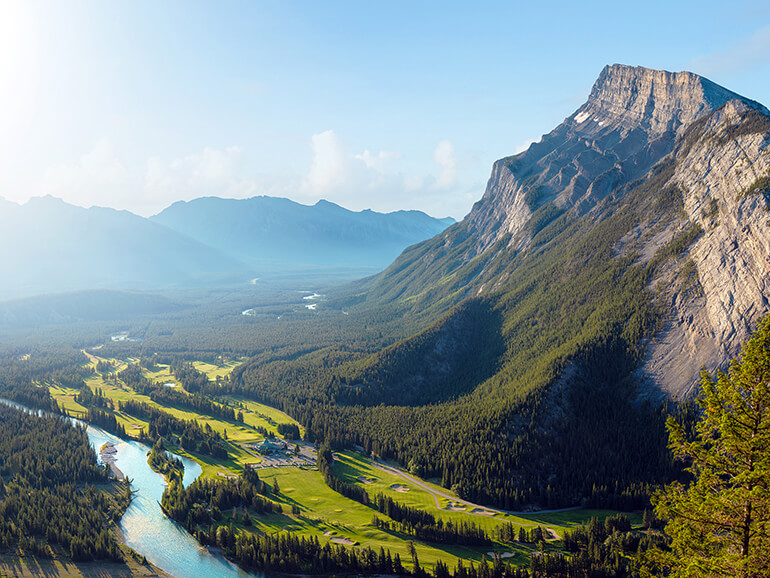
{"type": "Point", "coordinates": [48, 502]}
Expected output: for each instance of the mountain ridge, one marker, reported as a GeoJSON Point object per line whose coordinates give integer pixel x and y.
{"type": "Point", "coordinates": [99, 247]}
{"type": "Point", "coordinates": [76, 248]}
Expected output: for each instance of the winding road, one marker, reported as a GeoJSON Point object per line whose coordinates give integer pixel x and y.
{"type": "Point", "coordinates": [480, 510]}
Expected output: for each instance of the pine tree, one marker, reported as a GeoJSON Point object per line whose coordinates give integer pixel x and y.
{"type": "Point", "coordinates": [719, 525]}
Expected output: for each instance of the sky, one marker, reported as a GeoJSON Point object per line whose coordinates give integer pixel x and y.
{"type": "Point", "coordinates": [388, 105]}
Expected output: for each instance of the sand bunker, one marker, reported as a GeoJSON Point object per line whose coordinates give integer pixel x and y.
{"type": "Point", "coordinates": [365, 480]}
{"type": "Point", "coordinates": [399, 488]}
{"type": "Point", "coordinates": [226, 475]}
{"type": "Point", "coordinates": [502, 554]}
{"type": "Point", "coordinates": [329, 533]}
{"type": "Point", "coordinates": [480, 512]}
{"type": "Point", "coordinates": [456, 508]}
{"type": "Point", "coordinates": [344, 541]}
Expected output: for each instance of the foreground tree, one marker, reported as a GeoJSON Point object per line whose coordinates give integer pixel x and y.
{"type": "Point", "coordinates": [719, 525]}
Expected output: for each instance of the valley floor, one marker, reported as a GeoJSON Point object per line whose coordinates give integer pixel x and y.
{"type": "Point", "coordinates": [310, 508]}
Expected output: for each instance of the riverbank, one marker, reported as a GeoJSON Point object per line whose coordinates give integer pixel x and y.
{"type": "Point", "coordinates": [30, 566]}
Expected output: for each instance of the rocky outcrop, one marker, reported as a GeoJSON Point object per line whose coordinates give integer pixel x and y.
{"type": "Point", "coordinates": [718, 176]}
{"type": "Point", "coordinates": [633, 119]}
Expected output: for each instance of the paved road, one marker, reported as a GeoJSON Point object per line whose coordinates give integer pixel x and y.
{"type": "Point", "coordinates": [379, 464]}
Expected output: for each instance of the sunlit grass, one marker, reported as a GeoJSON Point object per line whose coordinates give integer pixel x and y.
{"type": "Point", "coordinates": [323, 513]}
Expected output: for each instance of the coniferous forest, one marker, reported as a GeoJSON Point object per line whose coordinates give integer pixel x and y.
{"type": "Point", "coordinates": [52, 497]}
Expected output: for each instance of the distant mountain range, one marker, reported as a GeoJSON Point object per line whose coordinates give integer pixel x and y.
{"type": "Point", "coordinates": [49, 246]}
{"type": "Point", "coordinates": [279, 234]}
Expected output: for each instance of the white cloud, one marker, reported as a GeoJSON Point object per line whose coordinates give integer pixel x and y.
{"type": "Point", "coordinates": [743, 55]}
{"type": "Point", "coordinates": [337, 174]}
{"type": "Point", "coordinates": [444, 156]}
{"type": "Point", "coordinates": [331, 169]}
{"type": "Point", "coordinates": [379, 162]}
{"type": "Point", "coordinates": [435, 182]}
{"type": "Point", "coordinates": [413, 182]}
{"type": "Point", "coordinates": [96, 177]}
{"type": "Point", "coordinates": [211, 171]}
{"type": "Point", "coordinates": [386, 181]}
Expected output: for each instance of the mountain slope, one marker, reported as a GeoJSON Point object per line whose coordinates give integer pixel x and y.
{"type": "Point", "coordinates": [635, 119]}
{"type": "Point", "coordinates": [278, 233]}
{"type": "Point", "coordinates": [51, 246]}
{"type": "Point", "coordinates": [593, 251]}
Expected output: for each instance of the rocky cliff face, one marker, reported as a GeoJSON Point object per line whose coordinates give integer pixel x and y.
{"type": "Point", "coordinates": [721, 176]}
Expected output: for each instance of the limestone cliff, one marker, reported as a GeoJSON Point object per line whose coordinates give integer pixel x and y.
{"type": "Point", "coordinates": [720, 173]}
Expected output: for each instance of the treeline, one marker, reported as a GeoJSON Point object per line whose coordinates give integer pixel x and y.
{"type": "Point", "coordinates": [106, 420]}
{"type": "Point", "coordinates": [90, 398]}
{"type": "Point", "coordinates": [192, 380]}
{"type": "Point", "coordinates": [169, 467]}
{"type": "Point", "coordinates": [299, 555]}
{"type": "Point", "coordinates": [598, 550]}
{"type": "Point", "coordinates": [405, 519]}
{"type": "Point", "coordinates": [47, 468]}
{"type": "Point", "coordinates": [199, 506]}
{"type": "Point", "coordinates": [196, 402]}
{"type": "Point", "coordinates": [132, 376]}
{"type": "Point", "coordinates": [189, 435]}
{"type": "Point", "coordinates": [289, 431]}
{"type": "Point", "coordinates": [510, 533]}
{"type": "Point", "coordinates": [30, 395]}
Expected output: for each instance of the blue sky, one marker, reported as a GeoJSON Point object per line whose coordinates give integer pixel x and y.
{"type": "Point", "coordinates": [371, 105]}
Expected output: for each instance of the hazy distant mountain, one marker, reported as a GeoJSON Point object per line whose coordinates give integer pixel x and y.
{"type": "Point", "coordinates": [277, 233]}
{"type": "Point", "coordinates": [47, 246]}
{"type": "Point", "coordinates": [90, 305]}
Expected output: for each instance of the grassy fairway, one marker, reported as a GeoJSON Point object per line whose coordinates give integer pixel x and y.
{"type": "Point", "coordinates": [310, 507]}
{"type": "Point", "coordinates": [327, 514]}
{"type": "Point", "coordinates": [255, 415]}
{"type": "Point", "coordinates": [214, 371]}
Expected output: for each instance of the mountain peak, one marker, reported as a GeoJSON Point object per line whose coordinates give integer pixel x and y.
{"type": "Point", "coordinates": [631, 121]}
{"type": "Point", "coordinates": [655, 100]}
